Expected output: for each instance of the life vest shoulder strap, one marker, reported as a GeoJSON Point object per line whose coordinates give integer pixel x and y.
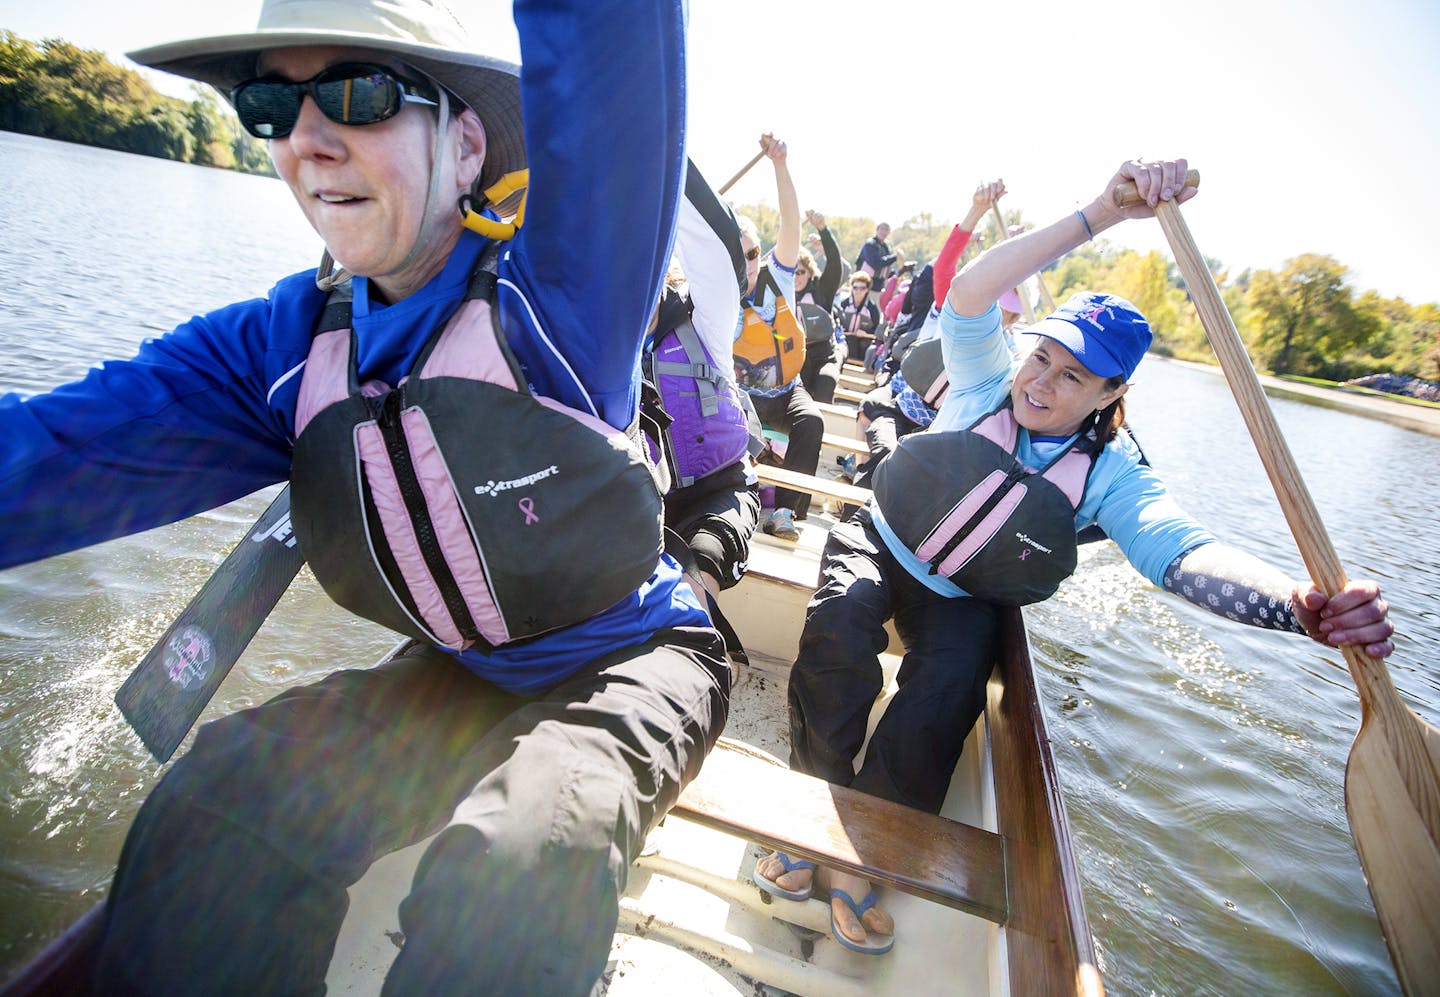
{"type": "Point", "coordinates": [330, 368]}
{"type": "Point", "coordinates": [1068, 470]}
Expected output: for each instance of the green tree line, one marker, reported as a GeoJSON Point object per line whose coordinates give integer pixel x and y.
{"type": "Point", "coordinates": [57, 90]}
{"type": "Point", "coordinates": [1306, 319]}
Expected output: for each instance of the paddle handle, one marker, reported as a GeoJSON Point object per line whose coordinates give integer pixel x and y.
{"type": "Point", "coordinates": [1020, 291]}
{"type": "Point", "coordinates": [1126, 195]}
{"type": "Point", "coordinates": [741, 172]}
{"type": "Point", "coordinates": [1378, 697]}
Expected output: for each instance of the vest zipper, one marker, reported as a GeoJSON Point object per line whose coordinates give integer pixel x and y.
{"type": "Point", "coordinates": [1017, 474]}
{"type": "Point", "coordinates": [388, 420]}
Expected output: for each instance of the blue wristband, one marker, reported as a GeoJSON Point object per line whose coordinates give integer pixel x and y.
{"type": "Point", "coordinates": [1090, 235]}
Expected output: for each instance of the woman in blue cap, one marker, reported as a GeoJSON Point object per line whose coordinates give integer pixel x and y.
{"type": "Point", "coordinates": [982, 509]}
{"type": "Point", "coordinates": [449, 397]}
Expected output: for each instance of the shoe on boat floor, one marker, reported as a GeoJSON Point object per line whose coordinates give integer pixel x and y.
{"type": "Point", "coordinates": [780, 524]}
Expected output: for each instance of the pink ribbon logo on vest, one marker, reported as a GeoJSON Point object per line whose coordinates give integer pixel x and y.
{"type": "Point", "coordinates": [1024, 553]}
{"type": "Point", "coordinates": [527, 506]}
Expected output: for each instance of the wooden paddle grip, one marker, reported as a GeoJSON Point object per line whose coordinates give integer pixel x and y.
{"type": "Point", "coordinates": [1125, 195]}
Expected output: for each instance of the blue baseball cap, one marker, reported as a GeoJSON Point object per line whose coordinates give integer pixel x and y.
{"type": "Point", "coordinates": [1107, 334]}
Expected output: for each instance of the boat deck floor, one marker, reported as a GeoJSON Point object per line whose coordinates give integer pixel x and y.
{"type": "Point", "coordinates": [691, 920]}
{"type": "Point", "coordinates": [693, 923]}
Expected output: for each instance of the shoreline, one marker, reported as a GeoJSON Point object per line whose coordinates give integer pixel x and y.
{"type": "Point", "coordinates": [1418, 418]}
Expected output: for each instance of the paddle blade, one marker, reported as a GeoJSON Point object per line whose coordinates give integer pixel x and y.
{"type": "Point", "coordinates": [1398, 852]}
{"type": "Point", "coordinates": [168, 690]}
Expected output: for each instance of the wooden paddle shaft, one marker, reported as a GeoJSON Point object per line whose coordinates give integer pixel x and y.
{"type": "Point", "coordinates": [1398, 858]}
{"type": "Point", "coordinates": [1019, 291]}
{"type": "Point", "coordinates": [1295, 501]}
{"type": "Point", "coordinates": [743, 170]}
{"type": "Point", "coordinates": [1039, 277]}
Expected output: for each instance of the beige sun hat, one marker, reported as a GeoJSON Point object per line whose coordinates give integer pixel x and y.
{"type": "Point", "coordinates": [423, 32]}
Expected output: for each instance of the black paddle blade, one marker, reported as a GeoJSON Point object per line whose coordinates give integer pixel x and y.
{"type": "Point", "coordinates": [167, 691]}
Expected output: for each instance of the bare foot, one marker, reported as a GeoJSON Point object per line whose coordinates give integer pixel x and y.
{"type": "Point", "coordinates": [876, 920]}
{"type": "Point", "coordinates": [773, 869]}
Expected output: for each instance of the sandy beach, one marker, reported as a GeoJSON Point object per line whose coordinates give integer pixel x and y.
{"type": "Point", "coordinates": [1418, 417]}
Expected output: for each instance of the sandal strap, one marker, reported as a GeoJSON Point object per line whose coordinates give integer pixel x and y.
{"type": "Point", "coordinates": [792, 864]}
{"type": "Point", "coordinates": [858, 909]}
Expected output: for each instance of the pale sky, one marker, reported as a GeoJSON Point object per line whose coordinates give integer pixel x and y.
{"type": "Point", "coordinates": [1316, 127]}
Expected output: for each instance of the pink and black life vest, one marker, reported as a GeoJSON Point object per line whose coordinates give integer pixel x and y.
{"type": "Point", "coordinates": [457, 507]}
{"type": "Point", "coordinates": [707, 429]}
{"type": "Point", "coordinates": [963, 503]}
{"type": "Point", "coordinates": [819, 325]}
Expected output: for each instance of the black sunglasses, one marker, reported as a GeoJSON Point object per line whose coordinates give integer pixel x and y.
{"type": "Point", "coordinates": [349, 93]}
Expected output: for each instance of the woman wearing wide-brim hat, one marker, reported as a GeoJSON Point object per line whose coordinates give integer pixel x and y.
{"type": "Point", "coordinates": [449, 397]}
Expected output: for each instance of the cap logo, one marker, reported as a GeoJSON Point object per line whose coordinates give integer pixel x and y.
{"type": "Point", "coordinates": [1093, 313]}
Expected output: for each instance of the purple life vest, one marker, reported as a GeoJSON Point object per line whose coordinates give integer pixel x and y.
{"type": "Point", "coordinates": [707, 430]}
{"type": "Point", "coordinates": [963, 503]}
{"type": "Point", "coordinates": [457, 507]}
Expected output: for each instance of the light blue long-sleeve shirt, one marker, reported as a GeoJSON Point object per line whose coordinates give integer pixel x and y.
{"type": "Point", "coordinates": [1127, 498]}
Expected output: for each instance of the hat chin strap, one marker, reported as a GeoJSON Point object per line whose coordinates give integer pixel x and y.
{"type": "Point", "coordinates": [329, 275]}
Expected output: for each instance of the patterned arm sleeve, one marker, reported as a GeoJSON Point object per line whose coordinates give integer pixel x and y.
{"type": "Point", "coordinates": [1236, 585]}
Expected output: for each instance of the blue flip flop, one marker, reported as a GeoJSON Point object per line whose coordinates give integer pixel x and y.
{"type": "Point", "coordinates": [791, 865]}
{"type": "Point", "coordinates": [866, 947]}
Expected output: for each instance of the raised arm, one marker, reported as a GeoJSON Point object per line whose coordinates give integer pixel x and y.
{"type": "Point", "coordinates": [1002, 267]}
{"type": "Point", "coordinates": [707, 244]}
{"type": "Point", "coordinates": [827, 285]}
{"type": "Point", "coordinates": [787, 241]}
{"type": "Point", "coordinates": [950, 253]}
{"type": "Point", "coordinates": [597, 235]}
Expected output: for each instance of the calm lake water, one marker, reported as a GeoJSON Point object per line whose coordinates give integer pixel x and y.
{"type": "Point", "coordinates": [1202, 761]}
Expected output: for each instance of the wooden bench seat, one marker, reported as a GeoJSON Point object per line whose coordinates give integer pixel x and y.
{"type": "Point", "coordinates": [850, 395]}
{"type": "Point", "coordinates": [839, 419]}
{"type": "Point", "coordinates": [744, 793]}
{"type": "Point", "coordinates": [849, 444]}
{"type": "Point", "coordinates": [824, 488]}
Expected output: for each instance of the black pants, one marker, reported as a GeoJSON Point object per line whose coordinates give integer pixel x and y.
{"type": "Point", "coordinates": [950, 647]}
{"type": "Point", "coordinates": [233, 879]}
{"type": "Point", "coordinates": [716, 517]}
{"type": "Point", "coordinates": [795, 414]}
{"type": "Point", "coordinates": [821, 372]}
{"type": "Point", "coordinates": [857, 344]}
{"type": "Point", "coordinates": [887, 425]}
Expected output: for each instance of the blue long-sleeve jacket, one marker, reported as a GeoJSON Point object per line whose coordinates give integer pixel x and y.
{"type": "Point", "coordinates": [205, 414]}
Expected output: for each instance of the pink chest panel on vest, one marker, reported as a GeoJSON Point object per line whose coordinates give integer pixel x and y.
{"type": "Point", "coordinates": [456, 506]}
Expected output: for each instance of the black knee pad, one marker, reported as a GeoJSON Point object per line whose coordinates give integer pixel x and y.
{"type": "Point", "coordinates": [721, 549]}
